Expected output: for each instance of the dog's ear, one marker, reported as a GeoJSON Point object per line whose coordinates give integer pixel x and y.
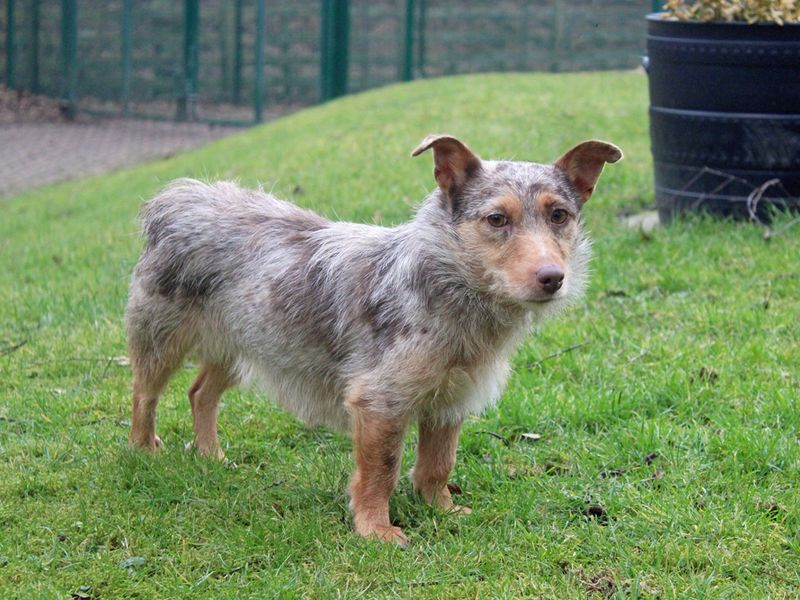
{"type": "Point", "coordinates": [584, 163]}
{"type": "Point", "coordinates": [453, 162]}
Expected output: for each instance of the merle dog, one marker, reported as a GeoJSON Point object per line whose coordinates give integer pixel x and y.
{"type": "Point", "coordinates": [361, 328]}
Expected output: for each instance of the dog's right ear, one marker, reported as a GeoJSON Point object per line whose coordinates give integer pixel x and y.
{"type": "Point", "coordinates": [453, 162]}
{"type": "Point", "coordinates": [584, 163]}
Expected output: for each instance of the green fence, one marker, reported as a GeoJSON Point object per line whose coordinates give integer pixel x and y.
{"type": "Point", "coordinates": [241, 60]}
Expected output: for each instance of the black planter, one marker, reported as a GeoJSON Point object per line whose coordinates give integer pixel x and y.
{"type": "Point", "coordinates": [724, 115]}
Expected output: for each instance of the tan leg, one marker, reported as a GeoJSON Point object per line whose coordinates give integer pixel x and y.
{"type": "Point", "coordinates": [378, 446]}
{"type": "Point", "coordinates": [149, 379]}
{"type": "Point", "coordinates": [436, 455]}
{"type": "Point", "coordinates": [204, 396]}
{"type": "Point", "coordinates": [152, 367]}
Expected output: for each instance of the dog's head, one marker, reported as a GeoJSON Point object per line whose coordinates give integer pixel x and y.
{"type": "Point", "coordinates": [516, 225]}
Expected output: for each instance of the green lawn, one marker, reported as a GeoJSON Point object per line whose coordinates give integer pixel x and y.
{"type": "Point", "coordinates": [667, 401]}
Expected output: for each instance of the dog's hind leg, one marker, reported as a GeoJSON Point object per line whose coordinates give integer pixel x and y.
{"type": "Point", "coordinates": [436, 455]}
{"type": "Point", "coordinates": [204, 397]}
{"type": "Point", "coordinates": [152, 369]}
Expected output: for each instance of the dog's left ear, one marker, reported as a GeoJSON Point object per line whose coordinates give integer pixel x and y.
{"type": "Point", "coordinates": [584, 163]}
{"type": "Point", "coordinates": [453, 162]}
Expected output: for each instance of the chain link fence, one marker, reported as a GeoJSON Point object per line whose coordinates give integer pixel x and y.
{"type": "Point", "coordinates": [240, 61]}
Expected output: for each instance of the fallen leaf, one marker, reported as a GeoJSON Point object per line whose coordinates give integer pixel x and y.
{"type": "Point", "coordinates": [454, 488]}
{"type": "Point", "coordinates": [612, 473]}
{"type": "Point", "coordinates": [133, 561]}
{"type": "Point", "coordinates": [595, 511]}
{"type": "Point", "coordinates": [83, 593]}
{"type": "Point", "coordinates": [705, 374]}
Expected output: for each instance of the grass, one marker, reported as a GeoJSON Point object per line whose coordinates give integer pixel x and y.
{"type": "Point", "coordinates": [666, 402]}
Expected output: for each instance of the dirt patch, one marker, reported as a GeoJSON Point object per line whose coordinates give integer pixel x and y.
{"type": "Point", "coordinates": [19, 106]}
{"type": "Point", "coordinates": [605, 583]}
{"type": "Point", "coordinates": [602, 582]}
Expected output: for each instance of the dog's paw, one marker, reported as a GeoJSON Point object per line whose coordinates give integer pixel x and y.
{"type": "Point", "coordinates": [446, 504]}
{"type": "Point", "coordinates": [384, 533]}
{"type": "Point", "coordinates": [457, 509]}
{"type": "Point", "coordinates": [214, 451]}
{"type": "Point", "coordinates": [390, 533]}
{"type": "Point", "coordinates": [442, 500]}
{"type": "Point", "coordinates": [153, 444]}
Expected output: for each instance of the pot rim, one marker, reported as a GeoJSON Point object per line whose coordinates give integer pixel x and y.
{"type": "Point", "coordinates": [658, 17]}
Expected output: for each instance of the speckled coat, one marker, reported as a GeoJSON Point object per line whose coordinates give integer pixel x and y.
{"type": "Point", "coordinates": [415, 322]}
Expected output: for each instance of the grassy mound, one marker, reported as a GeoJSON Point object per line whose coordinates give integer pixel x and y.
{"type": "Point", "coordinates": [666, 402]}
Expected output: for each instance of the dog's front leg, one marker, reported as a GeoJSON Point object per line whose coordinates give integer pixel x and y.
{"type": "Point", "coordinates": [378, 446]}
{"type": "Point", "coordinates": [436, 455]}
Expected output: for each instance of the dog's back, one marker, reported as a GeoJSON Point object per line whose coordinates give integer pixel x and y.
{"type": "Point", "coordinates": [199, 235]}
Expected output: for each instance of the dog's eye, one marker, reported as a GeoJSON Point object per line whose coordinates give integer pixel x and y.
{"type": "Point", "coordinates": [559, 216]}
{"type": "Point", "coordinates": [497, 220]}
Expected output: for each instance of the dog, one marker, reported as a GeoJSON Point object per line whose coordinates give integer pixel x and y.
{"type": "Point", "coordinates": [360, 328]}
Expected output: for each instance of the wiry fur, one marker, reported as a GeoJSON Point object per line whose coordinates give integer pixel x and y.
{"type": "Point", "coordinates": [329, 317]}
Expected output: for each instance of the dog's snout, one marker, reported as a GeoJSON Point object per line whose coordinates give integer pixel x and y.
{"type": "Point", "coordinates": [550, 277]}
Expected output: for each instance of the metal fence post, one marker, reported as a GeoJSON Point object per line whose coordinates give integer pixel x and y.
{"type": "Point", "coordinates": [187, 102]}
{"type": "Point", "coordinates": [10, 46]}
{"type": "Point", "coordinates": [261, 34]}
{"type": "Point", "coordinates": [558, 35]}
{"type": "Point", "coordinates": [224, 54]}
{"type": "Point", "coordinates": [237, 52]}
{"type": "Point", "coordinates": [408, 45]}
{"type": "Point", "coordinates": [325, 52]}
{"type": "Point", "coordinates": [421, 39]}
{"type": "Point", "coordinates": [34, 66]}
{"type": "Point", "coordinates": [127, 27]}
{"type": "Point", "coordinates": [69, 55]}
{"type": "Point", "coordinates": [335, 46]}
{"type": "Point", "coordinates": [341, 65]}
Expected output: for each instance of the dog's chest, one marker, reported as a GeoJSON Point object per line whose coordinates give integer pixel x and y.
{"type": "Point", "coordinates": [468, 389]}
{"type": "Point", "coordinates": [475, 381]}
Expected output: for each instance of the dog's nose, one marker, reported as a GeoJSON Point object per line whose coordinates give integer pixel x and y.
{"type": "Point", "coordinates": [550, 277]}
